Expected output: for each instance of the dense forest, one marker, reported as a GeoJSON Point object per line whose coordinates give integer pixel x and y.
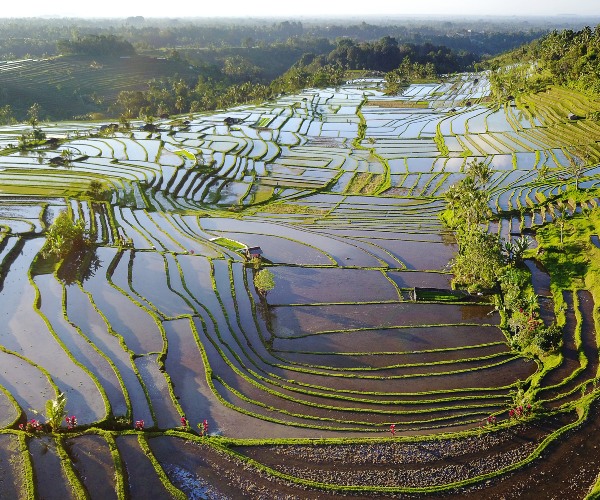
{"type": "Point", "coordinates": [21, 38]}
{"type": "Point", "coordinates": [96, 45]}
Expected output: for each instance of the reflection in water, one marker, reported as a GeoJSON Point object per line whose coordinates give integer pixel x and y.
{"type": "Point", "coordinates": [267, 314]}
{"type": "Point", "coordinates": [79, 266]}
{"type": "Point", "coordinates": [472, 312]}
{"type": "Point", "coordinates": [448, 238]}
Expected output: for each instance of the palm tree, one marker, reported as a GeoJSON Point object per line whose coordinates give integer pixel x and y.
{"type": "Point", "coordinates": [67, 155]}
{"type": "Point", "coordinates": [561, 222]}
{"type": "Point", "coordinates": [515, 249]}
{"type": "Point", "coordinates": [34, 114]}
{"type": "Point", "coordinates": [578, 161]}
{"type": "Point", "coordinates": [575, 169]}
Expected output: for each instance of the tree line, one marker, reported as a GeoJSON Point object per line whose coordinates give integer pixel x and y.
{"type": "Point", "coordinates": [486, 264]}
{"type": "Point", "coordinates": [388, 54]}
{"type": "Point", "coordinates": [175, 96]}
{"type": "Point", "coordinates": [96, 46]}
{"type": "Point", "coordinates": [239, 81]}
{"type": "Point", "coordinates": [38, 37]}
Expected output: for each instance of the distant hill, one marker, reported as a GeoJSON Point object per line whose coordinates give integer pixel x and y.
{"type": "Point", "coordinates": [71, 86]}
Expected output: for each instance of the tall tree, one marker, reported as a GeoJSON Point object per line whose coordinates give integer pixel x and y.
{"type": "Point", "coordinates": [33, 114]}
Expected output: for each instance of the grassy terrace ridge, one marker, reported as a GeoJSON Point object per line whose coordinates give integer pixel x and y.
{"type": "Point", "coordinates": [362, 346]}
{"type": "Point", "coordinates": [399, 104]}
{"type": "Point", "coordinates": [230, 244]}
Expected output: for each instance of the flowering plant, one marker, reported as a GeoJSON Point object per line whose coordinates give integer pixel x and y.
{"type": "Point", "coordinates": [32, 425]}
{"type": "Point", "coordinates": [203, 428]}
{"type": "Point", "coordinates": [71, 422]}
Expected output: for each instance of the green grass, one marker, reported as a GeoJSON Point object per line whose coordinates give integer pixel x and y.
{"type": "Point", "coordinates": [185, 154]}
{"type": "Point", "coordinates": [573, 263]}
{"type": "Point", "coordinates": [264, 122]}
{"type": "Point", "coordinates": [399, 104]}
{"type": "Point", "coordinates": [236, 246]}
{"type": "Point", "coordinates": [291, 208]}
{"type": "Point", "coordinates": [439, 295]}
{"type": "Point", "coordinates": [594, 492]}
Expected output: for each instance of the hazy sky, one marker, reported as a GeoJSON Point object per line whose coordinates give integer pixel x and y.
{"type": "Point", "coordinates": [298, 8]}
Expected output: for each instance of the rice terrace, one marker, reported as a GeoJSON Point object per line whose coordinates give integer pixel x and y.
{"type": "Point", "coordinates": [291, 299]}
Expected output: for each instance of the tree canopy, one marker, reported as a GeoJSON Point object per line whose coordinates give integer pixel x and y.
{"type": "Point", "coordinates": [468, 200]}
{"type": "Point", "coordinates": [96, 45]}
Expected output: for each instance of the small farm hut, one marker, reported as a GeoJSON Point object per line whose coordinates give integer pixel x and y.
{"type": "Point", "coordinates": [253, 253]}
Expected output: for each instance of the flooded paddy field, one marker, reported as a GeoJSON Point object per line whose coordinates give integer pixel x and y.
{"type": "Point", "coordinates": [359, 373]}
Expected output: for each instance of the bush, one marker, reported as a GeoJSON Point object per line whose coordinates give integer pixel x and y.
{"type": "Point", "coordinates": [513, 281]}
{"type": "Point", "coordinates": [478, 262]}
{"type": "Point", "coordinates": [264, 281]}
{"type": "Point", "coordinates": [97, 190]}
{"type": "Point", "coordinates": [64, 235]}
{"type": "Point", "coordinates": [549, 339]}
{"type": "Point", "coordinates": [55, 411]}
{"type": "Point", "coordinates": [525, 327]}
{"type": "Point", "coordinates": [31, 138]}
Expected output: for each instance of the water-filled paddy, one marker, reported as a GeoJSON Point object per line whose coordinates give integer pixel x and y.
{"type": "Point", "coordinates": [308, 286]}
{"type": "Point", "coordinates": [303, 320]}
{"type": "Point", "coordinates": [410, 339]}
{"type": "Point", "coordinates": [172, 322]}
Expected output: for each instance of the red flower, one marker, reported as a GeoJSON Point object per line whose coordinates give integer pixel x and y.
{"type": "Point", "coordinates": [71, 422]}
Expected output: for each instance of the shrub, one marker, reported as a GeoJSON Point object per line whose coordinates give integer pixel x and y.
{"type": "Point", "coordinates": [71, 422]}
{"type": "Point", "coordinates": [31, 138]}
{"type": "Point", "coordinates": [64, 235]}
{"type": "Point", "coordinates": [515, 249]}
{"type": "Point", "coordinates": [97, 190]}
{"type": "Point", "coordinates": [32, 425]}
{"type": "Point", "coordinates": [55, 411]}
{"type": "Point", "coordinates": [479, 260]}
{"type": "Point", "coordinates": [264, 281]}
{"type": "Point", "coordinates": [549, 339]}
{"type": "Point", "coordinates": [513, 281]}
{"type": "Point", "coordinates": [525, 326]}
